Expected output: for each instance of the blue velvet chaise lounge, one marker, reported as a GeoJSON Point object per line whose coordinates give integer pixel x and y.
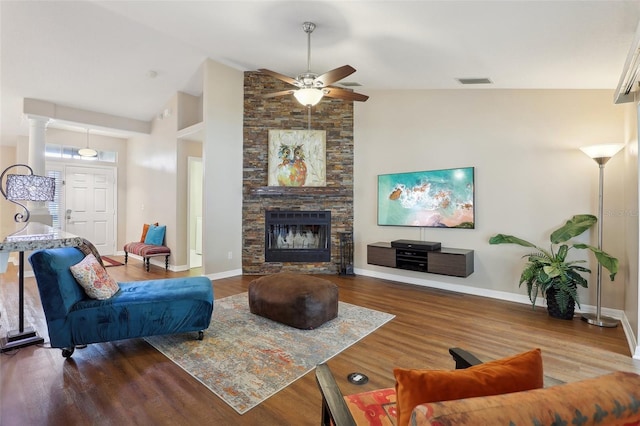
{"type": "Point", "coordinates": [137, 309]}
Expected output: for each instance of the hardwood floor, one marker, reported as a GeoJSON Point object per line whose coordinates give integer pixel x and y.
{"type": "Point", "coordinates": [129, 382]}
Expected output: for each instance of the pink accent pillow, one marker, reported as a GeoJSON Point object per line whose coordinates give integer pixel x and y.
{"type": "Point", "coordinates": [94, 279]}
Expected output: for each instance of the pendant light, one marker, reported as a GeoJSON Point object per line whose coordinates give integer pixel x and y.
{"type": "Point", "coordinates": [87, 152]}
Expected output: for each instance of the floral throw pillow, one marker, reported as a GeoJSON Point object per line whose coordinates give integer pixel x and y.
{"type": "Point", "coordinates": [94, 279]}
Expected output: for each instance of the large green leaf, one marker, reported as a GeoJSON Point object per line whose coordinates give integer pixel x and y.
{"type": "Point", "coordinates": [552, 271]}
{"type": "Point", "coordinates": [562, 252]}
{"type": "Point", "coordinates": [609, 262]}
{"type": "Point", "coordinates": [509, 239]}
{"type": "Point", "coordinates": [574, 227]}
{"type": "Point", "coordinates": [578, 279]}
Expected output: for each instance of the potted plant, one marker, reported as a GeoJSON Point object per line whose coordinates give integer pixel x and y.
{"type": "Point", "coordinates": [549, 273]}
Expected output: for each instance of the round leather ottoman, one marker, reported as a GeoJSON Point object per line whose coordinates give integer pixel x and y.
{"type": "Point", "coordinates": [297, 300]}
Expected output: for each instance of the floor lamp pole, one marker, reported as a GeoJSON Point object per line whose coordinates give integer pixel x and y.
{"type": "Point", "coordinates": [597, 318]}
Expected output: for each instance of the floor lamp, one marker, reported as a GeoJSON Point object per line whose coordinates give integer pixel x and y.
{"type": "Point", "coordinates": [601, 154]}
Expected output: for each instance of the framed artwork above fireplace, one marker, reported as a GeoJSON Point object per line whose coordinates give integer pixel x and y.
{"type": "Point", "coordinates": [297, 158]}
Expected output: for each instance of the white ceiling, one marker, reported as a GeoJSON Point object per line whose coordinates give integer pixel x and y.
{"type": "Point", "coordinates": [96, 55]}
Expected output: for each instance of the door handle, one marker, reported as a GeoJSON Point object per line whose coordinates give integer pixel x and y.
{"type": "Point", "coordinates": [68, 214]}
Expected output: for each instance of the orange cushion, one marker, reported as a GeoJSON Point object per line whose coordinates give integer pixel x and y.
{"type": "Point", "coordinates": [512, 374]}
{"type": "Point", "coordinates": [145, 229]}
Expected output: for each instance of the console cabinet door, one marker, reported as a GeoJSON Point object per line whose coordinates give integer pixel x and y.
{"type": "Point", "coordinates": [455, 262]}
{"type": "Point", "coordinates": [381, 254]}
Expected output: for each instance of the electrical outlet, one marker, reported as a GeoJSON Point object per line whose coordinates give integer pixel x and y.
{"type": "Point", "coordinates": [230, 255]}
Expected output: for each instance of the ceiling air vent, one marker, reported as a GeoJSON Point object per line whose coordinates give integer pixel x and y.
{"type": "Point", "coordinates": [628, 85]}
{"type": "Point", "coordinates": [474, 81]}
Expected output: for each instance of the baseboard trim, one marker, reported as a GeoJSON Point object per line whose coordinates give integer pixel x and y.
{"type": "Point", "coordinates": [224, 274]}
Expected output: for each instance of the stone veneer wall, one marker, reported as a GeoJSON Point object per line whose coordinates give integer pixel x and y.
{"type": "Point", "coordinates": [284, 112]}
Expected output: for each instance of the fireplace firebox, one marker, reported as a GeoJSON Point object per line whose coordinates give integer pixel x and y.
{"type": "Point", "coordinates": [297, 236]}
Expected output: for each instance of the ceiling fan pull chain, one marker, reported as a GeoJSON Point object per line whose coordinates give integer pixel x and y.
{"type": "Point", "coordinates": [309, 117]}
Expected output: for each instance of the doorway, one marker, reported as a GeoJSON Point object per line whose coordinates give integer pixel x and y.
{"type": "Point", "coordinates": [195, 194]}
{"type": "Point", "coordinates": [85, 203]}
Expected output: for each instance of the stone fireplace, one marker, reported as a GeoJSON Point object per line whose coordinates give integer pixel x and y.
{"type": "Point", "coordinates": [335, 117]}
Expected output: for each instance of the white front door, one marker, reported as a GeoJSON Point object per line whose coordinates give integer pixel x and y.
{"type": "Point", "coordinates": [90, 205]}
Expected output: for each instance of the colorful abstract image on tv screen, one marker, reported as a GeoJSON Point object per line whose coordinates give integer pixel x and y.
{"type": "Point", "coordinates": [435, 198]}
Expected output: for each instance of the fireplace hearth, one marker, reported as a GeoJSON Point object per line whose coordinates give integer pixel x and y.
{"type": "Point", "coordinates": [297, 236]}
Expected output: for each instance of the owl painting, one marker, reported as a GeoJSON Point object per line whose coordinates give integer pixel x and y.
{"type": "Point", "coordinates": [292, 170]}
{"type": "Point", "coordinates": [297, 158]}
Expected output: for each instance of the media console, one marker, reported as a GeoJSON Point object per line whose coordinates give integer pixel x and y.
{"type": "Point", "coordinates": [421, 256]}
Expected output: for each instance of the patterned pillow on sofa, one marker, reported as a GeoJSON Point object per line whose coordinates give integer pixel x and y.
{"type": "Point", "coordinates": [94, 279]}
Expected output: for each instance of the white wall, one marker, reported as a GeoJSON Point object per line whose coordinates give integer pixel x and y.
{"type": "Point", "coordinates": [152, 171]}
{"type": "Point", "coordinates": [530, 175]}
{"type": "Point", "coordinates": [157, 173]}
{"type": "Point", "coordinates": [222, 163]}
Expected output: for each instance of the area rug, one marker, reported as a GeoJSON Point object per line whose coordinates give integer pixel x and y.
{"type": "Point", "coordinates": [244, 358]}
{"type": "Point", "coordinates": [110, 262]}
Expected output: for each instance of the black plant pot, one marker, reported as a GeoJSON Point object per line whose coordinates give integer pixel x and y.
{"type": "Point", "coordinates": [554, 309]}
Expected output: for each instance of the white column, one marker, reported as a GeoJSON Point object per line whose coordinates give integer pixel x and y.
{"type": "Point", "coordinates": [37, 142]}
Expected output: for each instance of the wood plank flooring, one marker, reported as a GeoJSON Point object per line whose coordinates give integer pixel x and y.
{"type": "Point", "coordinates": [129, 382]}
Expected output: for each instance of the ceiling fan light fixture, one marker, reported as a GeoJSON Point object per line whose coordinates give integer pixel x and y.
{"type": "Point", "coordinates": [311, 86]}
{"type": "Point", "coordinates": [308, 96]}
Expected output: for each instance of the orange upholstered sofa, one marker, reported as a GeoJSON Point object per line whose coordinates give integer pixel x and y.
{"type": "Point", "coordinates": [503, 392]}
{"type": "Point", "coordinates": [612, 400]}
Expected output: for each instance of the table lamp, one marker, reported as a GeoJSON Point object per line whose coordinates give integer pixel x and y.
{"type": "Point", "coordinates": [27, 187]}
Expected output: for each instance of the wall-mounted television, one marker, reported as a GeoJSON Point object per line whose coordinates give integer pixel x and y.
{"type": "Point", "coordinates": [432, 199]}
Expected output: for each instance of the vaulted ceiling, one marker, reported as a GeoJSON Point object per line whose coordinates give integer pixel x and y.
{"type": "Point", "coordinates": [127, 58]}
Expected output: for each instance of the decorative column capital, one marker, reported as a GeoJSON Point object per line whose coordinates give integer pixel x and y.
{"type": "Point", "coordinates": [38, 120]}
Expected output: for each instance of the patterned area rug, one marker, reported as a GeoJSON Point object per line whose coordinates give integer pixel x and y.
{"type": "Point", "coordinates": [244, 358]}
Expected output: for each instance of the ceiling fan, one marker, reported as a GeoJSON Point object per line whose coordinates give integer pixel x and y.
{"type": "Point", "coordinates": [311, 86]}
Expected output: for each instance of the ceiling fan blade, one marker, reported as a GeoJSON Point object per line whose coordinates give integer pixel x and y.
{"type": "Point", "coordinates": [347, 95]}
{"type": "Point", "coordinates": [279, 76]}
{"type": "Point", "coordinates": [281, 93]}
{"type": "Point", "coordinates": [334, 75]}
